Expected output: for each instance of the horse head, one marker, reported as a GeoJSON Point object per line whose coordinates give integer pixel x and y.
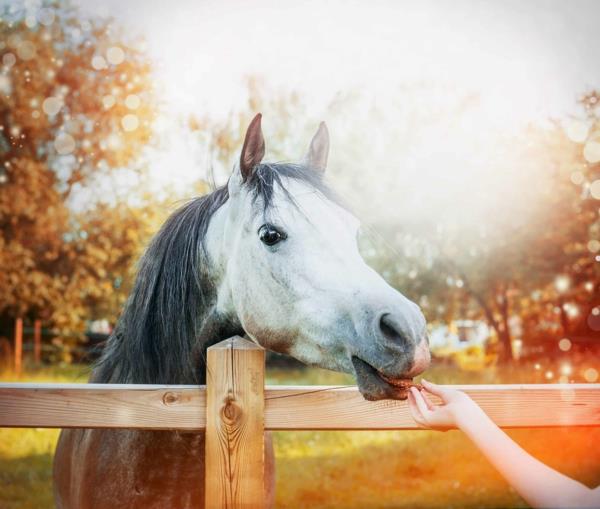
{"type": "Point", "coordinates": [288, 270]}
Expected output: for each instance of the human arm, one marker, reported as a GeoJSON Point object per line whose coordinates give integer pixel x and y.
{"type": "Point", "coordinates": [538, 484]}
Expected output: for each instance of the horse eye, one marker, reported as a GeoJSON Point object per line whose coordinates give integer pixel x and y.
{"type": "Point", "coordinates": [270, 235]}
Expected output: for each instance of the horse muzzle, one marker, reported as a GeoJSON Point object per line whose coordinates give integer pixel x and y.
{"type": "Point", "coordinates": [375, 384]}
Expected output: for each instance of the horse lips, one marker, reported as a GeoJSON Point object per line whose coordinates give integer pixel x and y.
{"type": "Point", "coordinates": [401, 383]}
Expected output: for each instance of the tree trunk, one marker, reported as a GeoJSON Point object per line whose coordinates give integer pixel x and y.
{"type": "Point", "coordinates": [506, 341]}
{"type": "Point", "coordinates": [504, 335]}
{"type": "Point", "coordinates": [501, 327]}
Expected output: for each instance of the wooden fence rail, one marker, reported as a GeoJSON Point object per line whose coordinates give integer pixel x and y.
{"type": "Point", "coordinates": [237, 404]}
{"type": "Point", "coordinates": [183, 407]}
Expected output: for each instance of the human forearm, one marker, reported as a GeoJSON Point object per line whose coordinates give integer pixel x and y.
{"type": "Point", "coordinates": [537, 483]}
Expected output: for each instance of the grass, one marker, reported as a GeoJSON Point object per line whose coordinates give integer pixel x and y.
{"type": "Point", "coordinates": [26, 454]}
{"type": "Point", "coordinates": [400, 469]}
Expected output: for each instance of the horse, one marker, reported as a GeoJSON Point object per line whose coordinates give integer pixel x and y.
{"type": "Point", "coordinates": [271, 255]}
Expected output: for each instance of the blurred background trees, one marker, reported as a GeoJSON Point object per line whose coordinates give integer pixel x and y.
{"type": "Point", "coordinates": [528, 268]}
{"type": "Point", "coordinates": [519, 250]}
{"type": "Point", "coordinates": [76, 110]}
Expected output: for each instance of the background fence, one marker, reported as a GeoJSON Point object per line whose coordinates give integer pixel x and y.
{"type": "Point", "coordinates": [235, 408]}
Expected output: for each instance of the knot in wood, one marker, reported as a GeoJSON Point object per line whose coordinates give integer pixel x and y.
{"type": "Point", "coordinates": [230, 411]}
{"type": "Point", "coordinates": [170, 398]}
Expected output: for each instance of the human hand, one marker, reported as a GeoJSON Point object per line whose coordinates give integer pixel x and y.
{"type": "Point", "coordinates": [456, 406]}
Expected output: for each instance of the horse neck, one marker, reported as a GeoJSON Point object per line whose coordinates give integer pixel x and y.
{"type": "Point", "coordinates": [140, 351]}
{"type": "Point", "coordinates": [172, 315]}
{"type": "Point", "coordinates": [215, 328]}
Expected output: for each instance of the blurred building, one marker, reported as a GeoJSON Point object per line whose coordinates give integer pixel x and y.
{"type": "Point", "coordinates": [459, 335]}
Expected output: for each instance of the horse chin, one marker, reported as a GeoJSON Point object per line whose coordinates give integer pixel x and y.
{"type": "Point", "coordinates": [375, 386]}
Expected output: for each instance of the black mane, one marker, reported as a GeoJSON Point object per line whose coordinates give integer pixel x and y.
{"type": "Point", "coordinates": [169, 318]}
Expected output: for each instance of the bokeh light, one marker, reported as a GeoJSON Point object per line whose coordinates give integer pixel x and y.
{"type": "Point", "coordinates": [577, 177]}
{"type": "Point", "coordinates": [566, 369]}
{"type": "Point", "coordinates": [562, 283]}
{"type": "Point", "coordinates": [98, 62]}
{"type": "Point", "coordinates": [115, 55]}
{"type": "Point", "coordinates": [64, 144]}
{"type": "Point", "coordinates": [108, 101]}
{"type": "Point", "coordinates": [591, 151]}
{"type": "Point", "coordinates": [9, 59]}
{"type": "Point", "coordinates": [26, 50]}
{"type": "Point", "coordinates": [130, 122]}
{"type": "Point", "coordinates": [571, 309]}
{"type": "Point", "coordinates": [52, 105]}
{"type": "Point", "coordinates": [590, 375]}
{"type": "Point", "coordinates": [564, 344]}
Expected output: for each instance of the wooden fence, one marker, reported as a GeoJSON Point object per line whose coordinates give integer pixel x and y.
{"type": "Point", "coordinates": [36, 344]}
{"type": "Point", "coordinates": [235, 408]}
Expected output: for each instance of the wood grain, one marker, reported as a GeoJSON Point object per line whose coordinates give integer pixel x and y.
{"type": "Point", "coordinates": [286, 408]}
{"type": "Point", "coordinates": [102, 406]}
{"type": "Point", "coordinates": [330, 408]}
{"type": "Point", "coordinates": [235, 425]}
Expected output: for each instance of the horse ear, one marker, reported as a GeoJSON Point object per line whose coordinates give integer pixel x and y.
{"type": "Point", "coordinates": [254, 148]}
{"type": "Point", "coordinates": [319, 149]}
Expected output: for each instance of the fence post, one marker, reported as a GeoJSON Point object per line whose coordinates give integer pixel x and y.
{"type": "Point", "coordinates": [235, 425]}
{"type": "Point", "coordinates": [37, 341]}
{"type": "Point", "coordinates": [18, 346]}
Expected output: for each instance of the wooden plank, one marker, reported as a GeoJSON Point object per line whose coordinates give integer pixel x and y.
{"type": "Point", "coordinates": [235, 425]}
{"type": "Point", "coordinates": [286, 408]}
{"type": "Point", "coordinates": [18, 346]}
{"type": "Point", "coordinates": [102, 406]}
{"type": "Point", "coordinates": [343, 408]}
{"type": "Point", "coordinates": [37, 341]}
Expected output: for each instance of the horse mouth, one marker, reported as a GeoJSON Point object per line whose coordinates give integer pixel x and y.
{"type": "Point", "coordinates": [375, 386]}
{"type": "Point", "coordinates": [399, 383]}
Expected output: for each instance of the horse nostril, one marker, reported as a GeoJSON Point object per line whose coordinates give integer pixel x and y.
{"type": "Point", "coordinates": [389, 329]}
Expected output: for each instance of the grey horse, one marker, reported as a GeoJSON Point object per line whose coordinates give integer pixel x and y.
{"type": "Point", "coordinates": [271, 255]}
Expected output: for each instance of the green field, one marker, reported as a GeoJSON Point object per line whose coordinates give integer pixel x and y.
{"type": "Point", "coordinates": [404, 469]}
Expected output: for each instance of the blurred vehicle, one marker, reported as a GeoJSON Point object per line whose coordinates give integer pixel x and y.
{"type": "Point", "coordinates": [463, 342]}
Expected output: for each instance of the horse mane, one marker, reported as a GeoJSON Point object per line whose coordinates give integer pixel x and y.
{"type": "Point", "coordinates": [169, 320]}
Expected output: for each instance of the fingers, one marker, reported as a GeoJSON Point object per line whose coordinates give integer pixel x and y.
{"type": "Point", "coordinates": [412, 405]}
{"type": "Point", "coordinates": [431, 387]}
{"type": "Point", "coordinates": [428, 402]}
{"type": "Point", "coordinates": [414, 410]}
{"type": "Point", "coordinates": [435, 389]}
{"type": "Point", "coordinates": [421, 405]}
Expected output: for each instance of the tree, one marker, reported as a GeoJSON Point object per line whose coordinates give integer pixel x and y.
{"type": "Point", "coordinates": [573, 243]}
{"type": "Point", "coordinates": [542, 269]}
{"type": "Point", "coordinates": [76, 109]}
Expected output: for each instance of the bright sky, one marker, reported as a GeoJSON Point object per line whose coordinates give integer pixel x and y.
{"type": "Point", "coordinates": [526, 60]}
{"type": "Point", "coordinates": [545, 50]}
